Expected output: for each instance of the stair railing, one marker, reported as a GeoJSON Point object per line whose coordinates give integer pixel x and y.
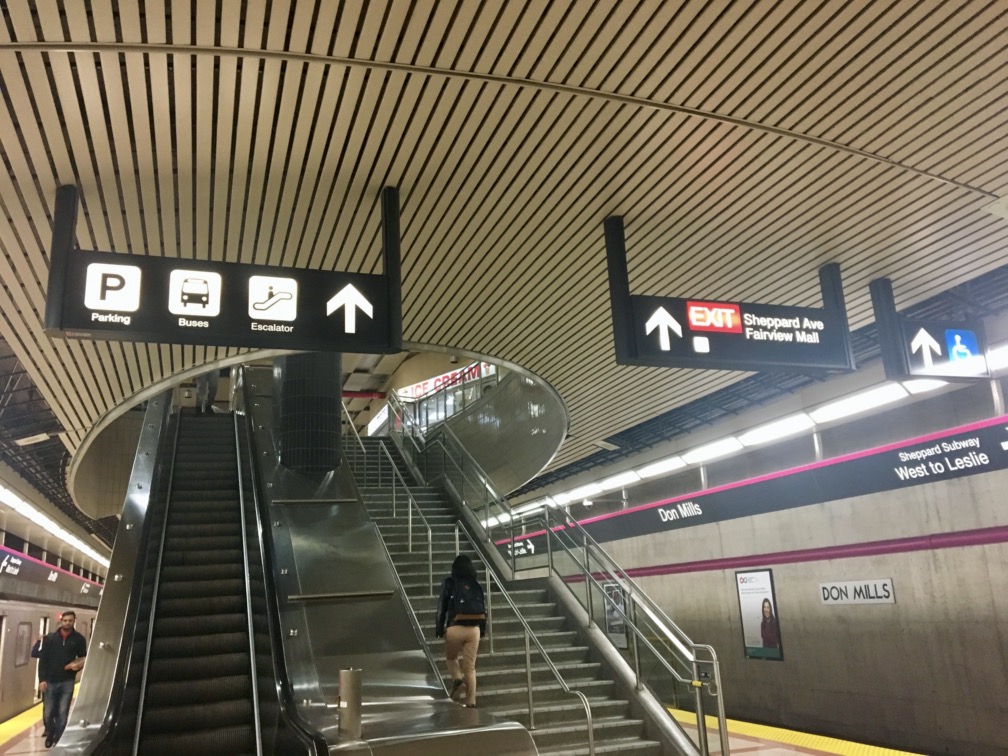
{"type": "Point", "coordinates": [359, 448]}
{"type": "Point", "coordinates": [530, 637]}
{"type": "Point", "coordinates": [595, 561]}
{"type": "Point", "coordinates": [396, 475]}
{"type": "Point", "coordinates": [250, 626]}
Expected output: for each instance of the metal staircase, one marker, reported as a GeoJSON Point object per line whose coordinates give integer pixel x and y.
{"type": "Point", "coordinates": [559, 726]}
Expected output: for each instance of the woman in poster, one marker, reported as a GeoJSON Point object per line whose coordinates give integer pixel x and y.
{"type": "Point", "coordinates": [768, 627]}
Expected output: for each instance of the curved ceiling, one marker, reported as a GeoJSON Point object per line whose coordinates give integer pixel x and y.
{"type": "Point", "coordinates": [745, 144]}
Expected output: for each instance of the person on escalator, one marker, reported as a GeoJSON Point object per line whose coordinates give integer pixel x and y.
{"type": "Point", "coordinates": [461, 621]}
{"type": "Point", "coordinates": [60, 659]}
{"type": "Point", "coordinates": [206, 391]}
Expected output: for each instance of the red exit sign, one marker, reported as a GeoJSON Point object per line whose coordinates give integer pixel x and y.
{"type": "Point", "coordinates": [714, 316]}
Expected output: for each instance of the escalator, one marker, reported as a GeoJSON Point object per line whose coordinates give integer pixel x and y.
{"type": "Point", "coordinates": [198, 691]}
{"type": "Point", "coordinates": [198, 673]}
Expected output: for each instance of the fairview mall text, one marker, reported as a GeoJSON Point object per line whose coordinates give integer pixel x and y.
{"type": "Point", "coordinates": [727, 318]}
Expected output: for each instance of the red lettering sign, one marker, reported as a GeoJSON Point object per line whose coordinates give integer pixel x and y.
{"type": "Point", "coordinates": [714, 316]}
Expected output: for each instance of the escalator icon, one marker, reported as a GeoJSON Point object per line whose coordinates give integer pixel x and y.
{"type": "Point", "coordinates": [272, 298]}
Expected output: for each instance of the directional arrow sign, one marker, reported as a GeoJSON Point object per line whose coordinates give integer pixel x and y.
{"type": "Point", "coordinates": [121, 297]}
{"type": "Point", "coordinates": [664, 323]}
{"type": "Point", "coordinates": [351, 300]}
{"type": "Point", "coordinates": [925, 343]}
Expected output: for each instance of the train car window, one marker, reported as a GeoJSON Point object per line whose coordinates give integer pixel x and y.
{"type": "Point", "coordinates": [22, 646]}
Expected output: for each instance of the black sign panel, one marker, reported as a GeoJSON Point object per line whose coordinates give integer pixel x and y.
{"type": "Point", "coordinates": [698, 333]}
{"type": "Point", "coordinates": [967, 450]}
{"type": "Point", "coordinates": [102, 295]}
{"type": "Point", "coordinates": [695, 333]}
{"type": "Point", "coordinates": [945, 349]}
{"type": "Point", "coordinates": [913, 348]}
{"type": "Point", "coordinates": [176, 301]}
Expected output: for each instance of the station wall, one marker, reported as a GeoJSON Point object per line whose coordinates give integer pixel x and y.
{"type": "Point", "coordinates": [926, 673]}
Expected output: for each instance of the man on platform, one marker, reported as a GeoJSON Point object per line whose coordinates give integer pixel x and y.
{"type": "Point", "coordinates": [61, 658]}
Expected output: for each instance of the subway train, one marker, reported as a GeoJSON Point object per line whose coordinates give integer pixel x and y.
{"type": "Point", "coordinates": [33, 595]}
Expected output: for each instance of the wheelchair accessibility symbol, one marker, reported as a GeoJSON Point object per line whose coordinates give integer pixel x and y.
{"type": "Point", "coordinates": [961, 344]}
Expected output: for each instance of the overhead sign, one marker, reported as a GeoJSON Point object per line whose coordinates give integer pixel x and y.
{"type": "Point", "coordinates": [914, 348]}
{"type": "Point", "coordinates": [104, 295]}
{"type": "Point", "coordinates": [965, 450]}
{"type": "Point", "coordinates": [698, 333]}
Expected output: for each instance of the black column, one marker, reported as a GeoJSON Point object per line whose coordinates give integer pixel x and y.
{"type": "Point", "coordinates": [308, 390]}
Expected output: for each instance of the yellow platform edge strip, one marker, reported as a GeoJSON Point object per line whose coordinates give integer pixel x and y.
{"type": "Point", "coordinates": [19, 723]}
{"type": "Point", "coordinates": [789, 737]}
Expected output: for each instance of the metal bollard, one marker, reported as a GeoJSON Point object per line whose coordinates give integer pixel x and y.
{"type": "Point", "coordinates": [349, 703]}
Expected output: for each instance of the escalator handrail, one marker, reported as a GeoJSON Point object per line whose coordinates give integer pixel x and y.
{"type": "Point", "coordinates": [313, 740]}
{"type": "Point", "coordinates": [156, 419]}
{"type": "Point", "coordinates": [154, 594]}
{"type": "Point", "coordinates": [250, 625]}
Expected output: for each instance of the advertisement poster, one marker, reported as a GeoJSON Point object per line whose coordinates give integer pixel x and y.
{"type": "Point", "coordinates": [760, 622]}
{"type": "Point", "coordinates": [615, 624]}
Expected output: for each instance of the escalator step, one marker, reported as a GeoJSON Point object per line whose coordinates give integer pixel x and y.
{"type": "Point", "coordinates": [202, 589]}
{"type": "Point", "coordinates": [223, 556]}
{"type": "Point", "coordinates": [188, 530]}
{"type": "Point", "coordinates": [200, 607]}
{"type": "Point", "coordinates": [202, 543]}
{"type": "Point", "coordinates": [232, 741]}
{"type": "Point", "coordinates": [194, 692]}
{"type": "Point", "coordinates": [183, 647]}
{"type": "Point", "coordinates": [198, 667]}
{"type": "Point", "coordinates": [172, 719]}
{"type": "Point", "coordinates": [202, 572]}
{"type": "Point", "coordinates": [216, 623]}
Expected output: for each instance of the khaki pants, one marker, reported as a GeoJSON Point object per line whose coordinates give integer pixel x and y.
{"type": "Point", "coordinates": [463, 640]}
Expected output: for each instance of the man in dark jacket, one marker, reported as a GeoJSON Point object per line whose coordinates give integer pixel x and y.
{"type": "Point", "coordinates": [60, 659]}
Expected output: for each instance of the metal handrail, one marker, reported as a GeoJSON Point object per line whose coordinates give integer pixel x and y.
{"type": "Point", "coordinates": [529, 634]}
{"type": "Point", "coordinates": [288, 709]}
{"type": "Point", "coordinates": [154, 594]}
{"type": "Point", "coordinates": [496, 500]}
{"type": "Point", "coordinates": [409, 521]}
{"type": "Point", "coordinates": [357, 436]}
{"type": "Point", "coordinates": [248, 590]}
{"type": "Point", "coordinates": [660, 620]}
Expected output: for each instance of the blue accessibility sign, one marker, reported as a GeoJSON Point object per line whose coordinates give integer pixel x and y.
{"type": "Point", "coordinates": [961, 344]}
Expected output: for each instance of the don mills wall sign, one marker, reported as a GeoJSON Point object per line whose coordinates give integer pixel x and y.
{"type": "Point", "coordinates": [701, 333]}
{"type": "Point", "coordinates": [123, 297]}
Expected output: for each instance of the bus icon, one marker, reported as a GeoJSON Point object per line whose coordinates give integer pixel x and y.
{"type": "Point", "coordinates": [194, 292]}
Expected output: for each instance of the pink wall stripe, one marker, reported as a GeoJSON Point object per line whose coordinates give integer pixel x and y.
{"type": "Point", "coordinates": [961, 539]}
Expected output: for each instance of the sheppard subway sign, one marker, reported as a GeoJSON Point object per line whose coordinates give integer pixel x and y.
{"type": "Point", "coordinates": [953, 453]}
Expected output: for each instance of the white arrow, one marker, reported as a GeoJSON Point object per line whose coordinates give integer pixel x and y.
{"type": "Point", "coordinates": [663, 321]}
{"type": "Point", "coordinates": [925, 342]}
{"type": "Point", "coordinates": [351, 299]}
{"type": "Point", "coordinates": [531, 546]}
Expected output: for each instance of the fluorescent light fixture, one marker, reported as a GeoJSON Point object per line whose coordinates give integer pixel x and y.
{"type": "Point", "coordinates": [29, 512]}
{"type": "Point", "coordinates": [661, 466]}
{"type": "Point", "coordinates": [583, 492]}
{"type": "Point", "coordinates": [532, 506]}
{"type": "Point", "coordinates": [562, 498]}
{"type": "Point", "coordinates": [997, 358]}
{"type": "Point", "coordinates": [786, 426]}
{"type": "Point", "coordinates": [38, 438]}
{"type": "Point", "coordinates": [923, 385]}
{"type": "Point", "coordinates": [713, 450]}
{"type": "Point", "coordinates": [858, 403]}
{"type": "Point", "coordinates": [619, 481]}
